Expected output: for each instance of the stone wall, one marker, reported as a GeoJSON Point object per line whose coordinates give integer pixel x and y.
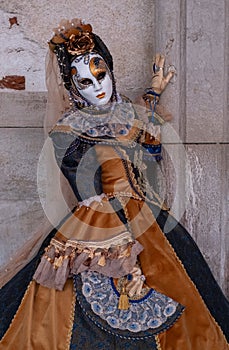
{"type": "Point", "coordinates": [193, 35]}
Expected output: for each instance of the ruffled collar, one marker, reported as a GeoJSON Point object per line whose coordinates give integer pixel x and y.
{"type": "Point", "coordinates": [117, 118]}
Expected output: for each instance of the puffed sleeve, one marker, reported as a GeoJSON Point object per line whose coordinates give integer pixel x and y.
{"type": "Point", "coordinates": [77, 161]}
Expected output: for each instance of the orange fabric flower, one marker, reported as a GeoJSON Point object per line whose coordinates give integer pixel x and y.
{"type": "Point", "coordinates": [79, 44]}
{"type": "Point", "coordinates": [75, 35]}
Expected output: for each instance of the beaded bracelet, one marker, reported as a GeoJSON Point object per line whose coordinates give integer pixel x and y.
{"type": "Point", "coordinates": [156, 97]}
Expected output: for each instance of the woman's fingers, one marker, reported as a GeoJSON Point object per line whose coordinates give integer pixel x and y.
{"type": "Point", "coordinates": [159, 81]}
{"type": "Point", "coordinates": [161, 61]}
{"type": "Point", "coordinates": [158, 64]}
{"type": "Point", "coordinates": [168, 77]}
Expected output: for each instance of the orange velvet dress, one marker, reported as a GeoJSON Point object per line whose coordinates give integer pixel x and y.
{"type": "Point", "coordinates": [113, 230]}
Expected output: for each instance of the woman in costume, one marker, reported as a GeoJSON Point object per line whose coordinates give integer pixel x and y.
{"type": "Point", "coordinates": [109, 277]}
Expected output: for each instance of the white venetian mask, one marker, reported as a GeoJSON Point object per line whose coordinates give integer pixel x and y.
{"type": "Point", "coordinates": [92, 79]}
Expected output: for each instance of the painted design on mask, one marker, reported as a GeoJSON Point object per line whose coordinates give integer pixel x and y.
{"type": "Point", "coordinates": [92, 79]}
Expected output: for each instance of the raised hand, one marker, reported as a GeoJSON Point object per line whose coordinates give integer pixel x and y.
{"type": "Point", "coordinates": [159, 81]}
{"type": "Point", "coordinates": [152, 94]}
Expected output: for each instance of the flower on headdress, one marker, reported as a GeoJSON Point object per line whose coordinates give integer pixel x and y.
{"type": "Point", "coordinates": [76, 35]}
{"type": "Point", "coordinates": [81, 43]}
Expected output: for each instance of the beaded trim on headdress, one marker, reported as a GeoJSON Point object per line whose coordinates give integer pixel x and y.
{"type": "Point", "coordinates": [76, 36]}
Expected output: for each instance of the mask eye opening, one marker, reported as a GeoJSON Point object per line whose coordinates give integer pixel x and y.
{"type": "Point", "coordinates": [85, 82]}
{"type": "Point", "coordinates": [101, 76]}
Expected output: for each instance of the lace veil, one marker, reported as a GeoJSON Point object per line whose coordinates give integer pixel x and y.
{"type": "Point", "coordinates": [55, 193]}
{"type": "Point", "coordinates": [52, 186]}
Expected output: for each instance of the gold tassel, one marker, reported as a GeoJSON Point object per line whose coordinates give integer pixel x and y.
{"type": "Point", "coordinates": [123, 303]}
{"type": "Point", "coordinates": [58, 262]}
{"type": "Point", "coordinates": [102, 260]}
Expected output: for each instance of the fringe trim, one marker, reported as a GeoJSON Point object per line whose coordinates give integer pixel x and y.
{"type": "Point", "coordinates": [114, 257]}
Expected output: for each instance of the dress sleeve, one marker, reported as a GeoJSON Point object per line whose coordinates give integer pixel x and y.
{"type": "Point", "coordinates": [77, 161]}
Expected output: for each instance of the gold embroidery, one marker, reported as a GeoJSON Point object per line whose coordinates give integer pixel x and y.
{"type": "Point", "coordinates": [158, 343]}
{"type": "Point", "coordinates": [72, 317]}
{"type": "Point", "coordinates": [19, 308]}
{"type": "Point", "coordinates": [130, 172]}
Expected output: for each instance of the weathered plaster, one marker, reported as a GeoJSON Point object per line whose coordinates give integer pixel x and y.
{"type": "Point", "coordinates": [21, 56]}
{"type": "Point", "coordinates": [126, 27]}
